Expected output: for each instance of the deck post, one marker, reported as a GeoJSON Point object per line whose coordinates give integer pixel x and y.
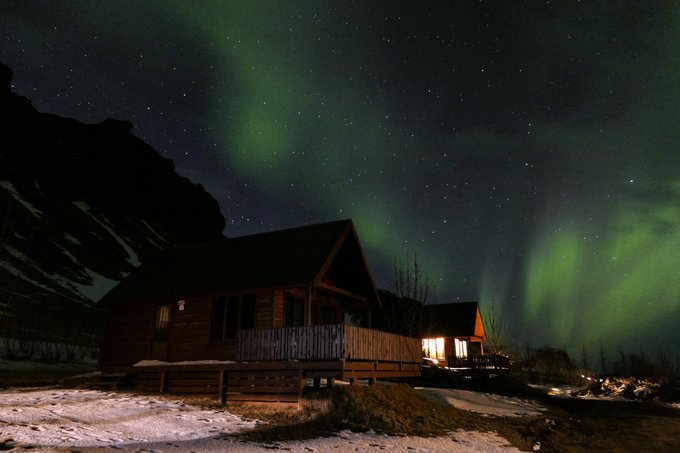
{"type": "Point", "coordinates": [317, 383]}
{"type": "Point", "coordinates": [330, 382]}
{"type": "Point", "coordinates": [222, 395]}
{"type": "Point", "coordinates": [308, 307]}
{"type": "Point", "coordinates": [162, 383]}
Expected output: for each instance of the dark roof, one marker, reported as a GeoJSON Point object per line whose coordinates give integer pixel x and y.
{"type": "Point", "coordinates": [452, 320]}
{"type": "Point", "coordinates": [284, 258]}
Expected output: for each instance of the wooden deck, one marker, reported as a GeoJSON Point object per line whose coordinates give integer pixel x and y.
{"type": "Point", "coordinates": [274, 364]}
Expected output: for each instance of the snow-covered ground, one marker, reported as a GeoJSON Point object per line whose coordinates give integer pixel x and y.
{"type": "Point", "coordinates": [484, 403]}
{"type": "Point", "coordinates": [45, 418]}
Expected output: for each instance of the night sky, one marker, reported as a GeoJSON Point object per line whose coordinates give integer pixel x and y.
{"type": "Point", "coordinates": [527, 152]}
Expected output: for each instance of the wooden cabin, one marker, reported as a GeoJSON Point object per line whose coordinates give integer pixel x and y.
{"type": "Point", "coordinates": [454, 335]}
{"type": "Point", "coordinates": [253, 317]}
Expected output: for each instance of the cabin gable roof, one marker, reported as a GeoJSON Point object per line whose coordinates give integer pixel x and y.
{"type": "Point", "coordinates": [292, 257]}
{"type": "Point", "coordinates": [462, 319]}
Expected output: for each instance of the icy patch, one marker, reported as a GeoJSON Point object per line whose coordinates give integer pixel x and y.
{"type": "Point", "coordinates": [132, 256]}
{"type": "Point", "coordinates": [59, 280]}
{"type": "Point", "coordinates": [98, 286]}
{"type": "Point", "coordinates": [484, 403]}
{"type": "Point", "coordinates": [164, 244]}
{"type": "Point", "coordinates": [9, 187]}
{"type": "Point", "coordinates": [72, 239]}
{"type": "Point", "coordinates": [19, 273]}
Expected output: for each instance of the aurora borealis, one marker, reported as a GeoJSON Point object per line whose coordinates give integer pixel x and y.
{"type": "Point", "coordinates": [528, 153]}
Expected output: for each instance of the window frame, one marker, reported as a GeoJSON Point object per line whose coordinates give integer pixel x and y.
{"type": "Point", "coordinates": [161, 321]}
{"type": "Point", "coordinates": [228, 316]}
{"type": "Point", "coordinates": [294, 306]}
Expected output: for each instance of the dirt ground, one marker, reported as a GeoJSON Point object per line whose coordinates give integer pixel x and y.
{"type": "Point", "coordinates": [575, 425]}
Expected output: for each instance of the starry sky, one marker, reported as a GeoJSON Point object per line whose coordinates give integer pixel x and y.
{"type": "Point", "coordinates": [526, 152]}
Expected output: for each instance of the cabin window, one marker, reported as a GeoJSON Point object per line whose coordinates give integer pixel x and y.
{"type": "Point", "coordinates": [161, 322]}
{"type": "Point", "coordinates": [247, 311]}
{"type": "Point", "coordinates": [328, 315]}
{"type": "Point", "coordinates": [461, 348]}
{"type": "Point", "coordinates": [229, 314]}
{"type": "Point", "coordinates": [294, 315]}
{"type": "Point", "coordinates": [357, 317]}
{"type": "Point", "coordinates": [433, 348]}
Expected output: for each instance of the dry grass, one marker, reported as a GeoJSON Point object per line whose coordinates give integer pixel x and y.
{"type": "Point", "coordinates": [568, 425]}
{"type": "Point", "coordinates": [390, 409]}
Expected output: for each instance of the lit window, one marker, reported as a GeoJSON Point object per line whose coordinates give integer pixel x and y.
{"type": "Point", "coordinates": [461, 348]}
{"type": "Point", "coordinates": [433, 347]}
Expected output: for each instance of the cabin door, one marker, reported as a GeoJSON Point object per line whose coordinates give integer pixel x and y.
{"type": "Point", "coordinates": [161, 328]}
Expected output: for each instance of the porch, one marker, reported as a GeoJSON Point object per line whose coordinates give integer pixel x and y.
{"type": "Point", "coordinates": [275, 365]}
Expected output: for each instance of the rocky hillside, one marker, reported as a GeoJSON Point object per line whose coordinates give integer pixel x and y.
{"type": "Point", "coordinates": [80, 206]}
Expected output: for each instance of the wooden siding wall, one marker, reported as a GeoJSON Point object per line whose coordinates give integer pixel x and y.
{"type": "Point", "coordinates": [329, 342]}
{"type": "Point", "coordinates": [264, 312]}
{"type": "Point", "coordinates": [127, 336]}
{"type": "Point", "coordinates": [190, 333]}
{"type": "Point", "coordinates": [279, 309]}
{"type": "Point", "coordinates": [190, 327]}
{"type": "Point", "coordinates": [129, 332]}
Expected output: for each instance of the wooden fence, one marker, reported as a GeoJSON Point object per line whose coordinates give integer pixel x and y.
{"type": "Point", "coordinates": [327, 342]}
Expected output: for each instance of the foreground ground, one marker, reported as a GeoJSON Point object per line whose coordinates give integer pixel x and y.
{"type": "Point", "coordinates": [501, 416]}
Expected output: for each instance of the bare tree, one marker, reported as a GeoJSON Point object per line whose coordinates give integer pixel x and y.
{"type": "Point", "coordinates": [603, 362]}
{"type": "Point", "coordinates": [404, 312]}
{"type": "Point", "coordinates": [495, 329]}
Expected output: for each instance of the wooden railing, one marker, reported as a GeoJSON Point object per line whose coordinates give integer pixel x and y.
{"type": "Point", "coordinates": [327, 342]}
{"type": "Point", "coordinates": [479, 362]}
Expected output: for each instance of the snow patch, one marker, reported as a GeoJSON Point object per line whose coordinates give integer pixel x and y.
{"type": "Point", "coordinates": [98, 286]}
{"type": "Point", "coordinates": [72, 239]}
{"type": "Point", "coordinates": [59, 280]}
{"type": "Point", "coordinates": [95, 418]}
{"type": "Point", "coordinates": [484, 403]}
{"type": "Point", "coordinates": [9, 187]}
{"type": "Point", "coordinates": [18, 272]}
{"type": "Point", "coordinates": [132, 256]}
{"type": "Point", "coordinates": [162, 243]}
{"type": "Point", "coordinates": [90, 418]}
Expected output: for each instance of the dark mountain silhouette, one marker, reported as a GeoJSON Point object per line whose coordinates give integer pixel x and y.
{"type": "Point", "coordinates": [80, 206]}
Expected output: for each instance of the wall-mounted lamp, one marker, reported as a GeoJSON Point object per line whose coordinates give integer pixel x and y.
{"type": "Point", "coordinates": [180, 304]}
